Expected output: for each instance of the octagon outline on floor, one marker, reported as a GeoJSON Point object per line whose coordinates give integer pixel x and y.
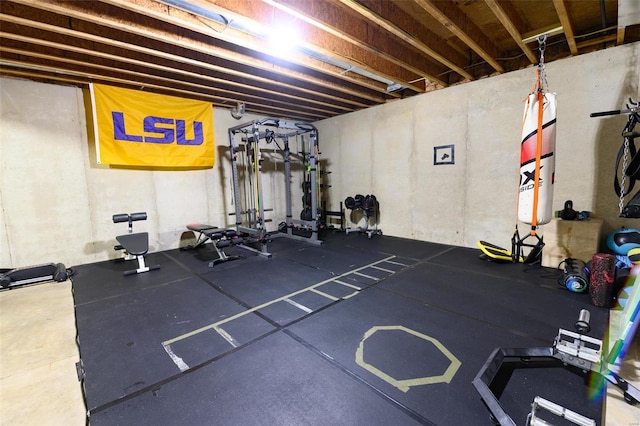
{"type": "Point", "coordinates": [406, 384]}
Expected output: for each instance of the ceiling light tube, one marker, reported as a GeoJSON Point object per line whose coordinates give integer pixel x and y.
{"type": "Point", "coordinates": [549, 31]}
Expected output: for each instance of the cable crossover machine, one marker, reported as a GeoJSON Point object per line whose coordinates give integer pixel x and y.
{"type": "Point", "coordinates": [247, 143]}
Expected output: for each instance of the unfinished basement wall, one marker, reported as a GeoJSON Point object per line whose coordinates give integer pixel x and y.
{"type": "Point", "coordinates": [389, 150]}
{"type": "Point", "coordinates": [56, 202]}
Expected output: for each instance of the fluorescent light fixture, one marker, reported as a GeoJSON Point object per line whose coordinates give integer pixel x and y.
{"type": "Point", "coordinates": [257, 30]}
{"type": "Point", "coordinates": [394, 87]}
{"type": "Point", "coordinates": [283, 38]}
{"type": "Point", "coordinates": [549, 31]}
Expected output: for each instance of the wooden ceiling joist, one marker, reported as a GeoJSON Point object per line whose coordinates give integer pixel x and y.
{"type": "Point", "coordinates": [567, 26]}
{"type": "Point", "coordinates": [448, 14]}
{"type": "Point", "coordinates": [161, 55]}
{"type": "Point", "coordinates": [325, 44]}
{"type": "Point", "coordinates": [505, 12]}
{"type": "Point", "coordinates": [178, 41]}
{"type": "Point", "coordinates": [352, 54]}
{"type": "Point", "coordinates": [412, 33]}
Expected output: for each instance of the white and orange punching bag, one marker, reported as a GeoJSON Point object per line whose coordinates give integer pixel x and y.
{"type": "Point", "coordinates": [537, 159]}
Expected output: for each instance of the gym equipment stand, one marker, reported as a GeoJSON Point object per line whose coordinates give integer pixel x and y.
{"type": "Point", "coordinates": [575, 351]}
{"type": "Point", "coordinates": [16, 277]}
{"type": "Point", "coordinates": [134, 246]}
{"type": "Point", "coordinates": [220, 238]}
{"type": "Point", "coordinates": [250, 222]}
{"type": "Point", "coordinates": [369, 206]}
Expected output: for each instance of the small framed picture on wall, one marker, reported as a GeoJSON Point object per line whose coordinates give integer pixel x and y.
{"type": "Point", "coordinates": [443, 154]}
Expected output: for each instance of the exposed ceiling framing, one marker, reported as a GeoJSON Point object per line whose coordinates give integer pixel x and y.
{"type": "Point", "coordinates": [349, 54]}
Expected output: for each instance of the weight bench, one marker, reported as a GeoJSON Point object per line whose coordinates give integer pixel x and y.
{"type": "Point", "coordinates": [136, 245]}
{"type": "Point", "coordinates": [202, 237]}
{"type": "Point", "coordinates": [220, 238]}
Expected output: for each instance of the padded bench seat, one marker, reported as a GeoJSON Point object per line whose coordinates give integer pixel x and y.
{"type": "Point", "coordinates": [220, 238]}
{"type": "Point", "coordinates": [137, 244]}
{"type": "Point", "coordinates": [199, 227]}
{"type": "Point", "coordinates": [134, 245]}
{"type": "Point", "coordinates": [202, 237]}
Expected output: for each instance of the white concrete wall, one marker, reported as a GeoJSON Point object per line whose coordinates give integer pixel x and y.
{"type": "Point", "coordinates": [56, 202]}
{"type": "Point", "coordinates": [388, 150]}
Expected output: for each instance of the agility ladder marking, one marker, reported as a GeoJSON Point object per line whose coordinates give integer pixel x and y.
{"type": "Point", "coordinates": [366, 276]}
{"type": "Point", "coordinates": [299, 306]}
{"type": "Point", "coordinates": [383, 269]}
{"type": "Point", "coordinates": [217, 324]}
{"type": "Point", "coordinates": [351, 285]}
{"type": "Point", "coordinates": [179, 362]}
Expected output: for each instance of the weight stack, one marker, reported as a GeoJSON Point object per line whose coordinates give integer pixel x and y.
{"type": "Point", "coordinates": [602, 280]}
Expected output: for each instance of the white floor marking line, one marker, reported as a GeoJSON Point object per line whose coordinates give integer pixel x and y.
{"type": "Point", "coordinates": [299, 306]}
{"type": "Point", "coordinates": [382, 269]}
{"type": "Point", "coordinates": [176, 359]}
{"type": "Point", "coordinates": [349, 296]}
{"type": "Point", "coordinates": [322, 293]}
{"type": "Point", "coordinates": [366, 276]}
{"type": "Point", "coordinates": [396, 263]}
{"type": "Point", "coordinates": [226, 336]}
{"type": "Point", "coordinates": [271, 302]}
{"type": "Point", "coordinates": [347, 284]}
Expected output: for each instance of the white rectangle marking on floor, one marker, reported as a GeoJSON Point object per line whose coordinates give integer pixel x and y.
{"type": "Point", "coordinates": [299, 306]}
{"type": "Point", "coordinates": [382, 269]}
{"type": "Point", "coordinates": [395, 263]}
{"type": "Point", "coordinates": [175, 358]}
{"type": "Point", "coordinates": [226, 336]}
{"type": "Point", "coordinates": [366, 276]}
{"type": "Point", "coordinates": [347, 284]}
{"type": "Point", "coordinates": [322, 293]}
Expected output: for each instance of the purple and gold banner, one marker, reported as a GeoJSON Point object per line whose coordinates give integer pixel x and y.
{"type": "Point", "coordinates": [134, 128]}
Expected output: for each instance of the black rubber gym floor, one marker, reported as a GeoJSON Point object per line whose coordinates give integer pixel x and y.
{"type": "Point", "coordinates": [356, 331]}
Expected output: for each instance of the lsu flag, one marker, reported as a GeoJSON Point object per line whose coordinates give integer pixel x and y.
{"type": "Point", "coordinates": [134, 128]}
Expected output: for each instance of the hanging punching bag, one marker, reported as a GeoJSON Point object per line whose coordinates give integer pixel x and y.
{"type": "Point", "coordinates": [537, 160]}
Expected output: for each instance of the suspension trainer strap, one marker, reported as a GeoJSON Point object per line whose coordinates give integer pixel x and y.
{"type": "Point", "coordinates": [515, 239]}
{"type": "Point", "coordinates": [257, 171]}
{"type": "Point", "coordinates": [536, 182]}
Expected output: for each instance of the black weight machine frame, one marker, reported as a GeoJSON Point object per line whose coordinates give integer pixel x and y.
{"type": "Point", "coordinates": [577, 352]}
{"type": "Point", "coordinates": [339, 214]}
{"type": "Point", "coordinates": [628, 147]}
{"type": "Point", "coordinates": [250, 220]}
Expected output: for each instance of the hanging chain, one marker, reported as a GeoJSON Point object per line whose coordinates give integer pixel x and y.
{"type": "Point", "coordinates": [624, 175]}
{"type": "Point", "coordinates": [542, 45]}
